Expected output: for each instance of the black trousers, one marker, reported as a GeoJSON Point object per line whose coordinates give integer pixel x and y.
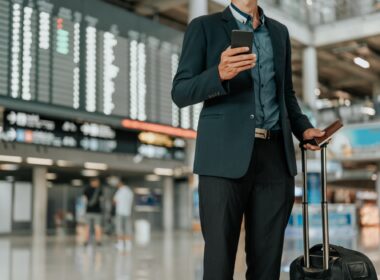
{"type": "Point", "coordinates": [265, 197]}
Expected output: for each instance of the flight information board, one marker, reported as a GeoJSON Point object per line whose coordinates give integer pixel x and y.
{"type": "Point", "coordinates": [92, 56]}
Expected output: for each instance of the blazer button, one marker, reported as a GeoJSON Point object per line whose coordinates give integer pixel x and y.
{"type": "Point", "coordinates": [252, 117]}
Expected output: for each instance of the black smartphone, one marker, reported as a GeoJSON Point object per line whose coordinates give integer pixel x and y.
{"type": "Point", "coordinates": [240, 38]}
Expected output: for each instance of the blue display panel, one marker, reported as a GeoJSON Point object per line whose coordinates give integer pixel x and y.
{"type": "Point", "coordinates": [32, 128]}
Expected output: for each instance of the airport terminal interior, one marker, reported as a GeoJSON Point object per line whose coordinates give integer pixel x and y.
{"type": "Point", "coordinates": [86, 107]}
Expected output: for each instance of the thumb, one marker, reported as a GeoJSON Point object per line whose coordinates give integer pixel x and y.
{"type": "Point", "coordinates": [319, 133]}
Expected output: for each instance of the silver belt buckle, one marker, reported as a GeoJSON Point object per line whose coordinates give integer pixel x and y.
{"type": "Point", "coordinates": [262, 133]}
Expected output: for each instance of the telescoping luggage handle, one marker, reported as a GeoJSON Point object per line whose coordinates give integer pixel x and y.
{"type": "Point", "coordinates": [324, 207]}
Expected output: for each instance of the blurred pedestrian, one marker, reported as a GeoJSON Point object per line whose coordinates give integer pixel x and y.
{"type": "Point", "coordinates": [123, 200]}
{"type": "Point", "coordinates": [93, 195]}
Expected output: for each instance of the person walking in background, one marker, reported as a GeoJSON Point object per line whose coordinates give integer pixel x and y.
{"type": "Point", "coordinates": [93, 195]}
{"type": "Point", "coordinates": [244, 152]}
{"type": "Point", "coordinates": [123, 200]}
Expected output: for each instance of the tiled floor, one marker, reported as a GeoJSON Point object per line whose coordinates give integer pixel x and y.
{"type": "Point", "coordinates": [168, 256]}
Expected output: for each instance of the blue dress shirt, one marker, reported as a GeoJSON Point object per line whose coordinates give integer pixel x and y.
{"type": "Point", "coordinates": [267, 112]}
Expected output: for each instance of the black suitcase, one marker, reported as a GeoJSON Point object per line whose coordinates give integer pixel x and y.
{"type": "Point", "coordinates": [326, 261]}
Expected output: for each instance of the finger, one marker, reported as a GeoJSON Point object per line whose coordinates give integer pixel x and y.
{"type": "Point", "coordinates": [229, 60]}
{"type": "Point", "coordinates": [241, 64]}
{"type": "Point", "coordinates": [241, 57]}
{"type": "Point", "coordinates": [309, 146]}
{"type": "Point", "coordinates": [241, 69]}
{"type": "Point", "coordinates": [319, 133]}
{"type": "Point", "coordinates": [234, 51]}
{"type": "Point", "coordinates": [225, 52]}
{"type": "Point", "coordinates": [313, 147]}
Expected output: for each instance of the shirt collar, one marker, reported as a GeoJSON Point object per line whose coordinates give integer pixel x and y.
{"type": "Point", "coordinates": [244, 17]}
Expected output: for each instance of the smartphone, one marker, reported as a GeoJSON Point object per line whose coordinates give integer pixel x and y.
{"type": "Point", "coordinates": [240, 38]}
{"type": "Point", "coordinates": [329, 132]}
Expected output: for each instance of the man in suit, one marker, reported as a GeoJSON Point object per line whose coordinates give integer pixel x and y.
{"type": "Point", "coordinates": [244, 153]}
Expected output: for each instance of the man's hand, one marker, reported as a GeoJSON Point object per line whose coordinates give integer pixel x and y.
{"type": "Point", "coordinates": [310, 134]}
{"type": "Point", "coordinates": [233, 61]}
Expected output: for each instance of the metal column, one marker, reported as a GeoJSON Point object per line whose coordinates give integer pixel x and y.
{"type": "Point", "coordinates": [310, 75]}
{"type": "Point", "coordinates": [40, 199]}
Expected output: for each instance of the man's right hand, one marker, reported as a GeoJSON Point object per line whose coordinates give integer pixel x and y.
{"type": "Point", "coordinates": [233, 61]}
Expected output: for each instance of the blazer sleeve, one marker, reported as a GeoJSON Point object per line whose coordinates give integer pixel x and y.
{"type": "Point", "coordinates": [193, 83]}
{"type": "Point", "coordinates": [298, 121]}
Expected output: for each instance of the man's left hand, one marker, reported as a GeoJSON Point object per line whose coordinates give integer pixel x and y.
{"type": "Point", "coordinates": [309, 134]}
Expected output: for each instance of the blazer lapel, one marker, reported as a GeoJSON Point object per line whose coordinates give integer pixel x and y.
{"type": "Point", "coordinates": [229, 22]}
{"type": "Point", "coordinates": [278, 49]}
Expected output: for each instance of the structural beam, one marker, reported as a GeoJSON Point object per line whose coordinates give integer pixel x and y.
{"type": "Point", "coordinates": [150, 7]}
{"type": "Point", "coordinates": [325, 34]}
{"type": "Point", "coordinates": [347, 66]}
{"type": "Point", "coordinates": [359, 27]}
{"type": "Point", "coordinates": [350, 81]}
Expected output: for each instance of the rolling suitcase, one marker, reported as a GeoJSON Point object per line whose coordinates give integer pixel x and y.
{"type": "Point", "coordinates": [326, 261]}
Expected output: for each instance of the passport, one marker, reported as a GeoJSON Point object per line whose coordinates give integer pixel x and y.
{"type": "Point", "coordinates": [329, 131]}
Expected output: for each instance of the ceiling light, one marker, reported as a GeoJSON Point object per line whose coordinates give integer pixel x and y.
{"type": "Point", "coordinates": [95, 165]}
{"type": "Point", "coordinates": [178, 142]}
{"type": "Point", "coordinates": [152, 178]}
{"type": "Point", "coordinates": [317, 92]}
{"type": "Point", "coordinates": [361, 62]}
{"type": "Point", "coordinates": [14, 159]}
{"type": "Point", "coordinates": [8, 167]}
{"type": "Point", "coordinates": [76, 182]}
{"type": "Point", "coordinates": [142, 191]}
{"type": "Point", "coordinates": [323, 103]}
{"type": "Point", "coordinates": [309, 2]}
{"type": "Point", "coordinates": [39, 161]}
{"type": "Point", "coordinates": [64, 163]}
{"type": "Point", "coordinates": [163, 171]}
{"type": "Point", "coordinates": [368, 111]}
{"type": "Point", "coordinates": [178, 172]}
{"type": "Point", "coordinates": [90, 173]}
{"type": "Point", "coordinates": [51, 176]}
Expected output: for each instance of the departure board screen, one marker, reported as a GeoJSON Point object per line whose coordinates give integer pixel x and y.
{"type": "Point", "coordinates": [91, 56]}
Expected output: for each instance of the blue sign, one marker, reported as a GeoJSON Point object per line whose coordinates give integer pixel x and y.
{"type": "Point", "coordinates": [363, 137]}
{"type": "Point", "coordinates": [314, 187]}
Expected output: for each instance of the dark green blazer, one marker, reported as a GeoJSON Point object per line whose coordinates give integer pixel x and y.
{"type": "Point", "coordinates": [226, 126]}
